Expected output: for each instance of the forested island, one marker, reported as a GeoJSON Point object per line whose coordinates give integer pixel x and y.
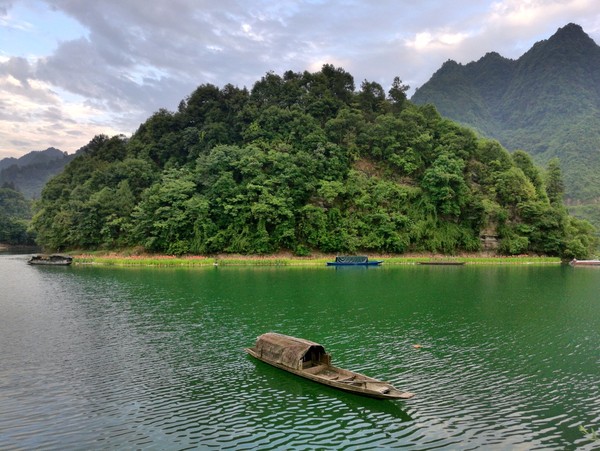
{"type": "Point", "coordinates": [306, 162]}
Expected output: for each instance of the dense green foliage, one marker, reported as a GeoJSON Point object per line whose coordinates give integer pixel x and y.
{"type": "Point", "coordinates": [303, 162]}
{"type": "Point", "coordinates": [15, 213]}
{"type": "Point", "coordinates": [30, 173]}
{"type": "Point", "coordinates": [546, 102]}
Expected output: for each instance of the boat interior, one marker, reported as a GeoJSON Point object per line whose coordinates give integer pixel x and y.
{"type": "Point", "coordinates": [315, 357]}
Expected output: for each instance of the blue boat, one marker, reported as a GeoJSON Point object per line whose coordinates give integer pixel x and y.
{"type": "Point", "coordinates": [354, 260]}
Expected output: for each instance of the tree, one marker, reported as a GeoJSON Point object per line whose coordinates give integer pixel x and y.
{"type": "Point", "coordinates": [15, 213]}
{"type": "Point", "coordinates": [555, 186]}
{"type": "Point", "coordinates": [327, 92]}
{"type": "Point", "coordinates": [445, 184]}
{"type": "Point", "coordinates": [513, 186]}
{"type": "Point", "coordinates": [524, 162]}
{"type": "Point", "coordinates": [163, 223]}
{"type": "Point", "coordinates": [371, 98]}
{"type": "Point", "coordinates": [397, 94]}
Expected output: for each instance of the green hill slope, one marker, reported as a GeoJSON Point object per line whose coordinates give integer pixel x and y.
{"type": "Point", "coordinates": [547, 102]}
{"type": "Point", "coordinates": [15, 213]}
{"type": "Point", "coordinates": [306, 162]}
{"type": "Point", "coordinates": [30, 173]}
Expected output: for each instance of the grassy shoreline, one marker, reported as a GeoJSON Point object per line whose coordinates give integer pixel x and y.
{"type": "Point", "coordinates": [124, 259]}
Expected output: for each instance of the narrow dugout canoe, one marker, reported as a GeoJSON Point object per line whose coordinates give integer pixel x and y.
{"type": "Point", "coordinates": [309, 360]}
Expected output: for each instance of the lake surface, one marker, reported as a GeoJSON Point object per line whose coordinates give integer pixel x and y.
{"type": "Point", "coordinates": [105, 358]}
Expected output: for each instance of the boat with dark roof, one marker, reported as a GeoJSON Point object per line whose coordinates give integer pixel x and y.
{"type": "Point", "coordinates": [354, 260]}
{"type": "Point", "coordinates": [308, 359]}
{"type": "Point", "coordinates": [52, 259]}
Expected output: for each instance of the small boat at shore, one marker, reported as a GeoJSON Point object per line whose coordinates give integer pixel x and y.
{"type": "Point", "coordinates": [576, 262]}
{"type": "Point", "coordinates": [52, 259]}
{"type": "Point", "coordinates": [309, 360]}
{"type": "Point", "coordinates": [354, 260]}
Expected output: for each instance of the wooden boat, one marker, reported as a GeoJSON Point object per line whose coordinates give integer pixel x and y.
{"type": "Point", "coordinates": [576, 262]}
{"type": "Point", "coordinates": [53, 259]}
{"type": "Point", "coordinates": [354, 260]}
{"type": "Point", "coordinates": [309, 360]}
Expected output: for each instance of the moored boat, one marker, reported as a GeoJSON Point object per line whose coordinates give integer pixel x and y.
{"type": "Point", "coordinates": [576, 262]}
{"type": "Point", "coordinates": [354, 260]}
{"type": "Point", "coordinates": [309, 360]}
{"type": "Point", "coordinates": [52, 259]}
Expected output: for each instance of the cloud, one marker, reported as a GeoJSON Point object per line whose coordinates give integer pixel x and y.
{"type": "Point", "coordinates": [5, 19]}
{"type": "Point", "coordinates": [125, 59]}
{"type": "Point", "coordinates": [442, 39]}
{"type": "Point", "coordinates": [34, 116]}
{"type": "Point", "coordinates": [521, 13]}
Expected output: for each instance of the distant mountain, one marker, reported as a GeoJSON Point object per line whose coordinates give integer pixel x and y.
{"type": "Point", "coordinates": [34, 157]}
{"type": "Point", "coordinates": [547, 102]}
{"type": "Point", "coordinates": [29, 173]}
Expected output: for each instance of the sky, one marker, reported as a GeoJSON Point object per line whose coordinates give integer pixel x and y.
{"type": "Point", "coordinates": [73, 69]}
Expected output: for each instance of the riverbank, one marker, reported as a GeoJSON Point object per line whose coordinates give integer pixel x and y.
{"type": "Point", "coordinates": [125, 259]}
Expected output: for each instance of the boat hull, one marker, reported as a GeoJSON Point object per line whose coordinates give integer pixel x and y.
{"type": "Point", "coordinates": [575, 262]}
{"type": "Point", "coordinates": [369, 263]}
{"type": "Point", "coordinates": [355, 382]}
{"type": "Point", "coordinates": [53, 260]}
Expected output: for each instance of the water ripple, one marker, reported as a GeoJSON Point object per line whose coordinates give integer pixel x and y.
{"type": "Point", "coordinates": [153, 359]}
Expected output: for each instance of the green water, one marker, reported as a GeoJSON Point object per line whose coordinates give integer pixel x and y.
{"type": "Point", "coordinates": [97, 358]}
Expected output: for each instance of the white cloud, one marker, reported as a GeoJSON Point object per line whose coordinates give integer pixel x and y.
{"type": "Point", "coordinates": [426, 40]}
{"type": "Point", "coordinates": [111, 64]}
{"type": "Point", "coordinates": [522, 13]}
{"type": "Point", "coordinates": [35, 114]}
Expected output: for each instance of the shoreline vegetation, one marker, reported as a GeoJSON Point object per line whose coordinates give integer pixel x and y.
{"type": "Point", "coordinates": [282, 259]}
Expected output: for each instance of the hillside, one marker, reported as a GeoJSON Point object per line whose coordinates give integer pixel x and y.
{"type": "Point", "coordinates": [306, 162]}
{"type": "Point", "coordinates": [15, 214]}
{"type": "Point", "coordinates": [547, 102]}
{"type": "Point", "coordinates": [29, 173]}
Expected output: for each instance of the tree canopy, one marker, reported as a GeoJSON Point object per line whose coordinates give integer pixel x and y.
{"type": "Point", "coordinates": [15, 213]}
{"type": "Point", "coordinates": [304, 162]}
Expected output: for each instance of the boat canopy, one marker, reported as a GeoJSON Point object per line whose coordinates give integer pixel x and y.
{"type": "Point", "coordinates": [292, 352]}
{"type": "Point", "coordinates": [351, 259]}
{"type": "Point", "coordinates": [51, 259]}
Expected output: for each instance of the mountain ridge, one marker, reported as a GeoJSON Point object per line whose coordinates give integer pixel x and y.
{"type": "Point", "coordinates": [546, 102]}
{"type": "Point", "coordinates": [33, 157]}
{"type": "Point", "coordinates": [30, 172]}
